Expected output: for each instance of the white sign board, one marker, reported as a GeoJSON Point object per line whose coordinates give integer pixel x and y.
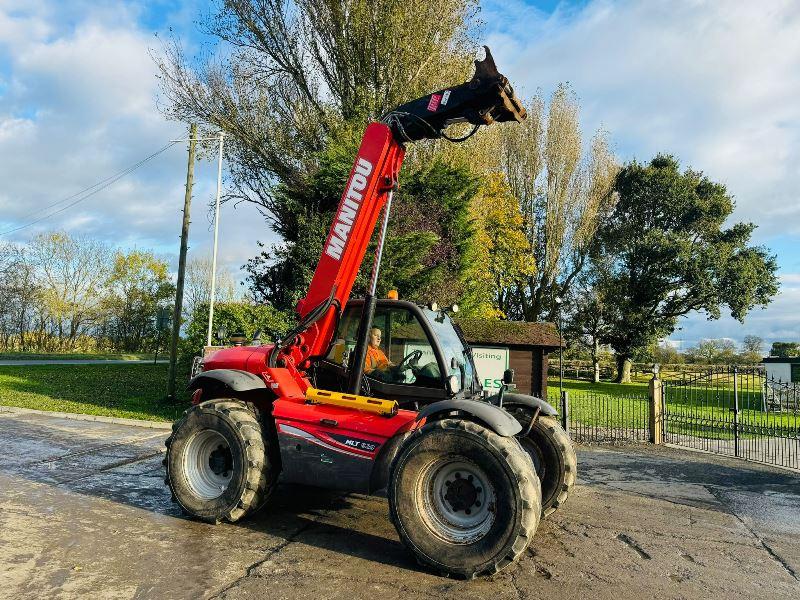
{"type": "Point", "coordinates": [490, 364]}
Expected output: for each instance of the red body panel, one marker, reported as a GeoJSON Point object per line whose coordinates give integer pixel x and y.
{"type": "Point", "coordinates": [347, 419]}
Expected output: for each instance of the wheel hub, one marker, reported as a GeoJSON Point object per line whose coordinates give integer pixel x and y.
{"type": "Point", "coordinates": [221, 461]}
{"type": "Point", "coordinates": [462, 494]}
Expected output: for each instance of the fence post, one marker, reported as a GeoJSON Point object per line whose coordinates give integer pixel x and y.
{"type": "Point", "coordinates": [735, 411]}
{"type": "Point", "coordinates": [656, 420]}
{"type": "Point", "coordinates": [565, 410]}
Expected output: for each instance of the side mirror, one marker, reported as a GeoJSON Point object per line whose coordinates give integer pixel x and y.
{"type": "Point", "coordinates": [453, 385]}
{"type": "Point", "coordinates": [508, 376]}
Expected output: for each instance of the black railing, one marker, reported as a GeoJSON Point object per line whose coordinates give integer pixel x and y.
{"type": "Point", "coordinates": [735, 411]}
{"type": "Point", "coordinates": [594, 417]}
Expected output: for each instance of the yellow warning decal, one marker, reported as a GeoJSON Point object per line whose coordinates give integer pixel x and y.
{"type": "Point", "coordinates": [365, 403]}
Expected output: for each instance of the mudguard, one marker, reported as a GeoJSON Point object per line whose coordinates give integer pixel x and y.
{"type": "Point", "coordinates": [231, 379]}
{"type": "Point", "coordinates": [545, 408]}
{"type": "Point", "coordinates": [494, 417]}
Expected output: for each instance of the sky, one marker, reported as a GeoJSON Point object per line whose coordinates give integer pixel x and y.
{"type": "Point", "coordinates": [714, 83]}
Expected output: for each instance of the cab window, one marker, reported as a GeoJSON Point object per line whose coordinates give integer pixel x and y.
{"type": "Point", "coordinates": [399, 351]}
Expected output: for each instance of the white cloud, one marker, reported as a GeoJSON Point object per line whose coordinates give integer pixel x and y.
{"type": "Point", "coordinates": [715, 83]}
{"type": "Point", "coordinates": [77, 104]}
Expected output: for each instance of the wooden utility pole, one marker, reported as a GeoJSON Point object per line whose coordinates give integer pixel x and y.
{"type": "Point", "coordinates": [176, 313]}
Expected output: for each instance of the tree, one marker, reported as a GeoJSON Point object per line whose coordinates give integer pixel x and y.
{"type": "Point", "coordinates": [71, 271]}
{"type": "Point", "coordinates": [664, 353]}
{"type": "Point", "coordinates": [502, 254]}
{"type": "Point", "coordinates": [297, 83]}
{"type": "Point", "coordinates": [237, 317]}
{"type": "Point", "coordinates": [429, 234]}
{"type": "Point", "coordinates": [752, 349]}
{"type": "Point", "coordinates": [587, 324]}
{"type": "Point", "coordinates": [563, 196]}
{"type": "Point", "coordinates": [785, 349]}
{"type": "Point", "coordinates": [713, 352]}
{"type": "Point", "coordinates": [665, 252]}
{"type": "Point", "coordinates": [197, 288]}
{"type": "Point", "coordinates": [9, 267]}
{"type": "Point", "coordinates": [289, 76]}
{"type": "Point", "coordinates": [137, 285]}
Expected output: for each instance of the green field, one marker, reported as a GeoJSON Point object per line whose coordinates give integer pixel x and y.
{"type": "Point", "coordinates": [77, 356]}
{"type": "Point", "coordinates": [133, 391]}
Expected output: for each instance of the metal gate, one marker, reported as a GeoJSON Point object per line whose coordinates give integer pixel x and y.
{"type": "Point", "coordinates": [735, 411]}
{"type": "Point", "coordinates": [592, 417]}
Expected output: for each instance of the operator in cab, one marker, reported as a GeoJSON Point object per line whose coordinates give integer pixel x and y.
{"type": "Point", "coordinates": [376, 359]}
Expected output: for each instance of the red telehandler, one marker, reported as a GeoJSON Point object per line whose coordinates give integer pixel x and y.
{"type": "Point", "coordinates": [467, 475]}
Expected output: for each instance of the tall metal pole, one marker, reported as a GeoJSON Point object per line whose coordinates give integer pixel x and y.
{"type": "Point", "coordinates": [365, 323]}
{"type": "Point", "coordinates": [216, 235]}
{"type": "Point", "coordinates": [560, 353]}
{"type": "Point", "coordinates": [178, 309]}
{"type": "Point", "coordinates": [558, 301]}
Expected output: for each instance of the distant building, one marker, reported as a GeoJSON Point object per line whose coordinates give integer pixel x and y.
{"type": "Point", "coordinates": [500, 345]}
{"type": "Point", "coordinates": [782, 369]}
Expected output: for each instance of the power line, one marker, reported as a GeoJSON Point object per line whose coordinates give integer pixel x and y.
{"type": "Point", "coordinates": [92, 190]}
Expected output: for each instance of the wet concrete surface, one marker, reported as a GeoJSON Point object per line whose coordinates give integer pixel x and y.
{"type": "Point", "coordinates": [84, 513]}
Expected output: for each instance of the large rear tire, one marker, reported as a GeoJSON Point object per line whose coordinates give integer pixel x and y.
{"type": "Point", "coordinates": [464, 500]}
{"type": "Point", "coordinates": [553, 456]}
{"type": "Point", "coordinates": [220, 466]}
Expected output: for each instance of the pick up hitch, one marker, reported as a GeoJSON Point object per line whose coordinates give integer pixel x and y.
{"type": "Point", "coordinates": [484, 99]}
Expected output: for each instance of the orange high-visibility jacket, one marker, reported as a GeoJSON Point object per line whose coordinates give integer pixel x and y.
{"type": "Point", "coordinates": [375, 359]}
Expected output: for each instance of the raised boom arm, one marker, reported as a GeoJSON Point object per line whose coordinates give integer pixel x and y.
{"type": "Point", "coordinates": [486, 98]}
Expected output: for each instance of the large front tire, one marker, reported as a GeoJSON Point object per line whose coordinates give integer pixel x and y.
{"type": "Point", "coordinates": [218, 461]}
{"type": "Point", "coordinates": [553, 456]}
{"type": "Point", "coordinates": [464, 500]}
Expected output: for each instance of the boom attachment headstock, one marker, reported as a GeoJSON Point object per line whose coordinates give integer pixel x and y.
{"type": "Point", "coordinates": [486, 98]}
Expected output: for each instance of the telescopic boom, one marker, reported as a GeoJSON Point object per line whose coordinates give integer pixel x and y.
{"type": "Point", "coordinates": [486, 98]}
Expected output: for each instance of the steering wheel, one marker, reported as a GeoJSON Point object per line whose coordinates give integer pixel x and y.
{"type": "Point", "coordinates": [409, 361]}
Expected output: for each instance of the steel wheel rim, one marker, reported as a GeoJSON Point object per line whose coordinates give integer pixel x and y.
{"type": "Point", "coordinates": [205, 475]}
{"type": "Point", "coordinates": [460, 514]}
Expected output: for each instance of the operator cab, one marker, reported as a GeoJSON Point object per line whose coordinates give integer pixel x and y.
{"type": "Point", "coordinates": [416, 355]}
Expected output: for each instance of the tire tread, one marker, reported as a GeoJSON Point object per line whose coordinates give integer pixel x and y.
{"type": "Point", "coordinates": [260, 474]}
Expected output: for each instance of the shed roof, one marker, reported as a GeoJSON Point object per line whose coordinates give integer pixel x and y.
{"type": "Point", "coordinates": [509, 333]}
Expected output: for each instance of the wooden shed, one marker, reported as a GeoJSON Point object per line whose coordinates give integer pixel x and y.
{"type": "Point", "coordinates": [528, 347]}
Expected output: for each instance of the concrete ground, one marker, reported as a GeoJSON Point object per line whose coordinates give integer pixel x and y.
{"type": "Point", "coordinates": [84, 513]}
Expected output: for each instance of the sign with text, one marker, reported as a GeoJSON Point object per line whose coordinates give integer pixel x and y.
{"type": "Point", "coordinates": [490, 364]}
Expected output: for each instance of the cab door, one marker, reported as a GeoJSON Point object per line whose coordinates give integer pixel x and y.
{"type": "Point", "coordinates": [413, 372]}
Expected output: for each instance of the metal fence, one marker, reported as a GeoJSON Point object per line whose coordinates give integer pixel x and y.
{"type": "Point", "coordinates": [594, 417]}
{"type": "Point", "coordinates": [735, 411]}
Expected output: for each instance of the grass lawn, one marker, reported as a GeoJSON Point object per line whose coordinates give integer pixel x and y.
{"type": "Point", "coordinates": [131, 391]}
{"type": "Point", "coordinates": [604, 387]}
{"type": "Point", "coordinates": [77, 356]}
